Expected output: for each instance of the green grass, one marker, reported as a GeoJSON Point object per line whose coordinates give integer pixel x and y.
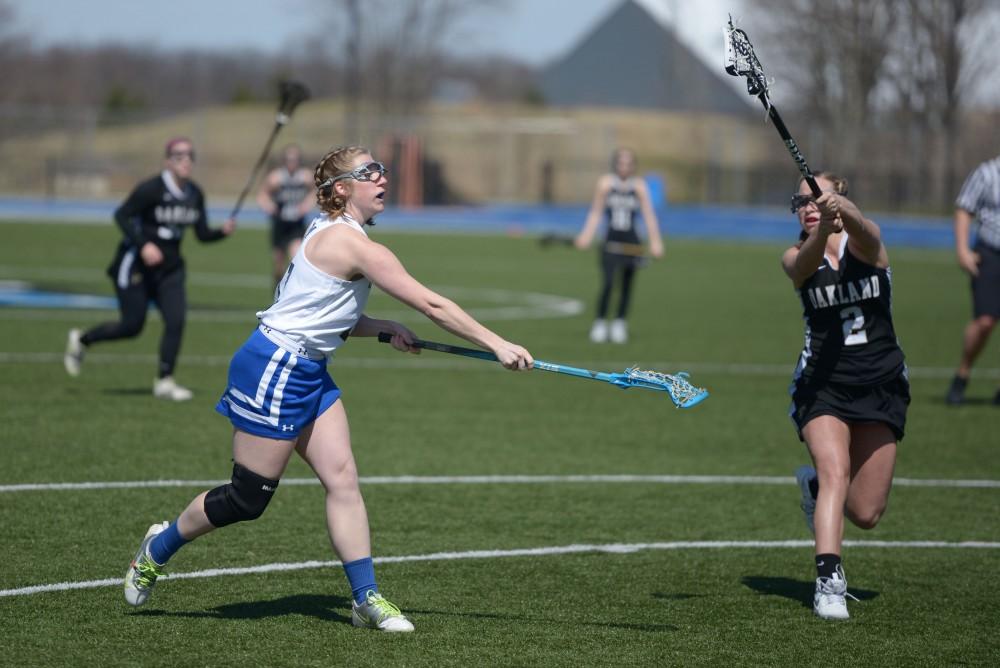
{"type": "Point", "coordinates": [723, 311]}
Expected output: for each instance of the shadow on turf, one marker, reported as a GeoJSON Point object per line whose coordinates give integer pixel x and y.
{"type": "Point", "coordinates": [127, 391]}
{"type": "Point", "coordinates": [655, 628]}
{"type": "Point", "coordinates": [310, 605]}
{"type": "Point", "coordinates": [796, 590]}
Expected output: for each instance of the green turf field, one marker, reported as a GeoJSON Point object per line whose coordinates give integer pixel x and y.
{"type": "Point", "coordinates": [492, 575]}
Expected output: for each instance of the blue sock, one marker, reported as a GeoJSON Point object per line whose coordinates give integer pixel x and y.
{"type": "Point", "coordinates": [165, 544]}
{"type": "Point", "coordinates": [361, 575]}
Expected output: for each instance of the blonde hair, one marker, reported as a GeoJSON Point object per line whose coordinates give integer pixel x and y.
{"type": "Point", "coordinates": [335, 163]}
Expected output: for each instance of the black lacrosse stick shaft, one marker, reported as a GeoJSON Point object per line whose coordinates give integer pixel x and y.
{"type": "Point", "coordinates": [386, 337]}
{"type": "Point", "coordinates": [256, 168]}
{"type": "Point", "coordinates": [790, 144]}
{"type": "Point", "coordinates": [293, 93]}
{"type": "Point", "coordinates": [738, 42]}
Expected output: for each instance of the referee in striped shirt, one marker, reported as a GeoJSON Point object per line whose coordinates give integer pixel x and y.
{"type": "Point", "coordinates": [979, 200]}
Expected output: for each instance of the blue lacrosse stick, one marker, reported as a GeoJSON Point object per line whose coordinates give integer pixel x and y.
{"type": "Point", "coordinates": [677, 387]}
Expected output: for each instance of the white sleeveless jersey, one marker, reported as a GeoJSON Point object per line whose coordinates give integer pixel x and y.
{"type": "Point", "coordinates": [313, 311]}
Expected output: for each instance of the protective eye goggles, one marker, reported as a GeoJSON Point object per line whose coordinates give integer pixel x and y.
{"type": "Point", "coordinates": [371, 171]}
{"type": "Point", "coordinates": [799, 201]}
{"type": "Point", "coordinates": [180, 155]}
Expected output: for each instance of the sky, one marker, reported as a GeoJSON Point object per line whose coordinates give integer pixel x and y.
{"type": "Point", "coordinates": [533, 31]}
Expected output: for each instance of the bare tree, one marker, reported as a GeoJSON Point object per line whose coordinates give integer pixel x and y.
{"type": "Point", "coordinates": [398, 55]}
{"type": "Point", "coordinates": [833, 55]}
{"type": "Point", "coordinates": [947, 48]}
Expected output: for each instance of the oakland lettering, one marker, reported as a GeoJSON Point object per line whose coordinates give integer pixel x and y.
{"type": "Point", "coordinates": [849, 292]}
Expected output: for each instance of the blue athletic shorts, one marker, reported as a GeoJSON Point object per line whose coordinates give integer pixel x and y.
{"type": "Point", "coordinates": [275, 393]}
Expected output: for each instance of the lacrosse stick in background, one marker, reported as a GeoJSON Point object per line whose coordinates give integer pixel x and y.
{"type": "Point", "coordinates": [680, 391]}
{"type": "Point", "coordinates": [741, 61]}
{"type": "Point", "coordinates": [292, 94]}
{"type": "Point", "coordinates": [635, 250]}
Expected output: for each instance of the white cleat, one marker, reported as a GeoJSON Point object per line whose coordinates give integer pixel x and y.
{"type": "Point", "coordinates": [619, 331]}
{"type": "Point", "coordinates": [167, 388]}
{"type": "Point", "coordinates": [830, 601]}
{"type": "Point", "coordinates": [378, 613]}
{"type": "Point", "coordinates": [599, 331]}
{"type": "Point", "coordinates": [804, 475]}
{"type": "Point", "coordinates": [73, 357]}
{"type": "Point", "coordinates": [143, 571]}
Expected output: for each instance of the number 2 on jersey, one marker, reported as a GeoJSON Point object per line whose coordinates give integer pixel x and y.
{"type": "Point", "coordinates": [854, 326]}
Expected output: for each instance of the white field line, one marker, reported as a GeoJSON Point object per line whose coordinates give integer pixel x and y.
{"type": "Point", "coordinates": [612, 548]}
{"type": "Point", "coordinates": [430, 361]}
{"type": "Point", "coordinates": [491, 480]}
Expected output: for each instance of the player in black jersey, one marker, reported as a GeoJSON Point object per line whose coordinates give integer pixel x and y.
{"type": "Point", "coordinates": [287, 195]}
{"type": "Point", "coordinates": [618, 197]}
{"type": "Point", "coordinates": [850, 391]}
{"type": "Point", "coordinates": [148, 265]}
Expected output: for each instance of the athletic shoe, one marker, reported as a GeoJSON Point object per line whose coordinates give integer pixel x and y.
{"type": "Point", "coordinates": [996, 398]}
{"type": "Point", "coordinates": [599, 331]}
{"type": "Point", "coordinates": [167, 388]}
{"type": "Point", "coordinates": [74, 353]}
{"type": "Point", "coordinates": [956, 392]}
{"type": "Point", "coordinates": [378, 613]}
{"type": "Point", "coordinates": [805, 475]}
{"type": "Point", "coordinates": [830, 600]}
{"type": "Point", "coordinates": [143, 571]}
{"type": "Point", "coordinates": [619, 331]}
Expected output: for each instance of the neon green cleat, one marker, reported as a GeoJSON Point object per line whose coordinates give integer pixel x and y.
{"type": "Point", "coordinates": [143, 571]}
{"type": "Point", "coordinates": [378, 613]}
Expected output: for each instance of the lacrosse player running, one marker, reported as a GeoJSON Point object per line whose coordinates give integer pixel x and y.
{"type": "Point", "coordinates": [148, 265]}
{"type": "Point", "coordinates": [619, 196]}
{"type": "Point", "coordinates": [286, 195]}
{"type": "Point", "coordinates": [850, 390]}
{"type": "Point", "coordinates": [281, 399]}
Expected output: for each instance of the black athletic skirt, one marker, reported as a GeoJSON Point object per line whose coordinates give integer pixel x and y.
{"type": "Point", "coordinates": [885, 403]}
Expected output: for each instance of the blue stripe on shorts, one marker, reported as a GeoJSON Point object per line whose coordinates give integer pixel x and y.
{"type": "Point", "coordinates": [275, 393]}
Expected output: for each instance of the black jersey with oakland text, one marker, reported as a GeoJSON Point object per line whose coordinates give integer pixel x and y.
{"type": "Point", "coordinates": [849, 334]}
{"type": "Point", "coordinates": [160, 210]}
{"type": "Point", "coordinates": [621, 206]}
{"type": "Point", "coordinates": [288, 196]}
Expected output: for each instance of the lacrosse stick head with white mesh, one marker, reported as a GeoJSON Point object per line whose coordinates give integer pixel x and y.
{"type": "Point", "coordinates": [681, 392]}
{"type": "Point", "coordinates": [741, 61]}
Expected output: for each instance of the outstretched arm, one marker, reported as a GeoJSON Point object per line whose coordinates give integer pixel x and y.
{"type": "Point", "coordinates": [264, 199]}
{"type": "Point", "coordinates": [649, 218]}
{"type": "Point", "coordinates": [586, 235]}
{"type": "Point", "coordinates": [350, 253]}
{"type": "Point", "coordinates": [863, 236]}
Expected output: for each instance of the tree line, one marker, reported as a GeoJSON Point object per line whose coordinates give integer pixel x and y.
{"type": "Point", "coordinates": [392, 59]}
{"type": "Point", "coordinates": [896, 92]}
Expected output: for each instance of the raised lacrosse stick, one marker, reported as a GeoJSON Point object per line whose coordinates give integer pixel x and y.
{"type": "Point", "coordinates": [680, 391]}
{"type": "Point", "coordinates": [291, 94]}
{"type": "Point", "coordinates": [741, 61]}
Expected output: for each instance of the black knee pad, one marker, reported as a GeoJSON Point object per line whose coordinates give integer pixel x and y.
{"type": "Point", "coordinates": [244, 498]}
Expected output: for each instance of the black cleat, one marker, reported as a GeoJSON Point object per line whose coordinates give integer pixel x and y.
{"type": "Point", "coordinates": [956, 393]}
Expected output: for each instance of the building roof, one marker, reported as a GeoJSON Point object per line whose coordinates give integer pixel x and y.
{"type": "Point", "coordinates": [633, 60]}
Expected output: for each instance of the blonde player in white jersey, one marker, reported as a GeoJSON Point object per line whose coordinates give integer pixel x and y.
{"type": "Point", "coordinates": [281, 399]}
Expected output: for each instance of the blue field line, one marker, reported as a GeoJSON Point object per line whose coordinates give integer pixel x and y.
{"type": "Point", "coordinates": [754, 224]}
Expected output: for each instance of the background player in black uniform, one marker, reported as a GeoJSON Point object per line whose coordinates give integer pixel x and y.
{"type": "Point", "coordinates": [287, 195]}
{"type": "Point", "coordinates": [850, 391]}
{"type": "Point", "coordinates": [619, 196]}
{"type": "Point", "coordinates": [148, 265]}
